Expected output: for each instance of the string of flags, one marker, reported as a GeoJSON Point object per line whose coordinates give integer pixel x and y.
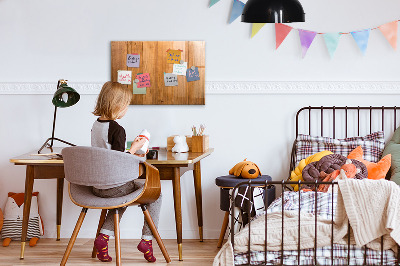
{"type": "Point", "coordinates": [361, 37]}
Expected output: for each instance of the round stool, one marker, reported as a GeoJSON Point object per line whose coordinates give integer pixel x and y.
{"type": "Point", "coordinates": [228, 182]}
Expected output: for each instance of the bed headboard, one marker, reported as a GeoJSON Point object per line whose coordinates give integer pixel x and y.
{"type": "Point", "coordinates": [344, 121]}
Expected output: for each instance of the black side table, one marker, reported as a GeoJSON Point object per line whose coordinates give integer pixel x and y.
{"type": "Point", "coordinates": [226, 183]}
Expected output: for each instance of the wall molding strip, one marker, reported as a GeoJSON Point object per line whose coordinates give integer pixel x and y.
{"type": "Point", "coordinates": [231, 87]}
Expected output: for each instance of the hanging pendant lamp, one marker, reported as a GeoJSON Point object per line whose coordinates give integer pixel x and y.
{"type": "Point", "coordinates": [273, 11]}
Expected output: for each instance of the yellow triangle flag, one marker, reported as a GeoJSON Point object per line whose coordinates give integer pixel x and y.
{"type": "Point", "coordinates": [256, 28]}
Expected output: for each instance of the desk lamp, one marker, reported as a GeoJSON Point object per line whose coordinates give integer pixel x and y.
{"type": "Point", "coordinates": [64, 96]}
{"type": "Point", "coordinates": [272, 11]}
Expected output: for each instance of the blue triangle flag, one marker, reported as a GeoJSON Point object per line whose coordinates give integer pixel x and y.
{"type": "Point", "coordinates": [237, 9]}
{"type": "Point", "coordinates": [213, 2]}
{"type": "Point", "coordinates": [332, 41]}
{"type": "Point", "coordinates": [361, 37]}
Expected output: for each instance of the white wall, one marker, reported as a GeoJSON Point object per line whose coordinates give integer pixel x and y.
{"type": "Point", "coordinates": [42, 41]}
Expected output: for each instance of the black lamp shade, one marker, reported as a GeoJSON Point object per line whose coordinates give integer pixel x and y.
{"type": "Point", "coordinates": [273, 11]}
{"type": "Point", "coordinates": [65, 96]}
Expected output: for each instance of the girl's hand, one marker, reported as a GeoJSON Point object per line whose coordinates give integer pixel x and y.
{"type": "Point", "coordinates": [137, 144]}
{"type": "Point", "coordinates": [143, 155]}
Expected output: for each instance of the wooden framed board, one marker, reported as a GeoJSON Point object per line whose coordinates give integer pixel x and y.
{"type": "Point", "coordinates": [153, 60]}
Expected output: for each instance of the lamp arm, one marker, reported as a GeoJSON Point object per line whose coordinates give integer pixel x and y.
{"type": "Point", "coordinates": [54, 126]}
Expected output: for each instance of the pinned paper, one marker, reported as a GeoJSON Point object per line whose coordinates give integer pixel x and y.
{"type": "Point", "coordinates": [144, 80]}
{"type": "Point", "coordinates": [192, 74]}
{"type": "Point", "coordinates": [124, 76]}
{"type": "Point", "coordinates": [174, 56]}
{"type": "Point", "coordinates": [213, 2]}
{"type": "Point", "coordinates": [237, 9]}
{"type": "Point", "coordinates": [256, 27]}
{"type": "Point", "coordinates": [180, 69]}
{"type": "Point", "coordinates": [281, 31]}
{"type": "Point", "coordinates": [170, 79]}
{"type": "Point", "coordinates": [306, 39]}
{"type": "Point", "coordinates": [332, 41]}
{"type": "Point", "coordinates": [137, 90]}
{"type": "Point", "coordinates": [361, 38]}
{"type": "Point", "coordinates": [133, 60]}
{"type": "Point", "coordinates": [389, 30]}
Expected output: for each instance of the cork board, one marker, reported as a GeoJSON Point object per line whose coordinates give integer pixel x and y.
{"type": "Point", "coordinates": [153, 60]}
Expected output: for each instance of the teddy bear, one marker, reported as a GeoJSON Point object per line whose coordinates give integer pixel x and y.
{"type": "Point", "coordinates": [180, 144]}
{"type": "Point", "coordinates": [13, 215]}
{"type": "Point", "coordinates": [245, 169]}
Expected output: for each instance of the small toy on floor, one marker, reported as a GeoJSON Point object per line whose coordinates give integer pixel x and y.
{"type": "Point", "coordinates": [13, 215]}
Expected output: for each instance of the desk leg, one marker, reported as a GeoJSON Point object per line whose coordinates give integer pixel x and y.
{"type": "Point", "coordinates": [199, 204]}
{"type": "Point", "coordinates": [60, 190]}
{"type": "Point", "coordinates": [176, 182]}
{"type": "Point", "coordinates": [27, 206]}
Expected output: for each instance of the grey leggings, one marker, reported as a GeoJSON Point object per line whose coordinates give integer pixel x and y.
{"type": "Point", "coordinates": [154, 208]}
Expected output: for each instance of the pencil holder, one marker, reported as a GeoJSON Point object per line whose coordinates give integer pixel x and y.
{"type": "Point", "coordinates": [200, 143]}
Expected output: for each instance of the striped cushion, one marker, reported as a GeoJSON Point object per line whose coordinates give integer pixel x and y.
{"type": "Point", "coordinates": [13, 228]}
{"type": "Point", "coordinates": [372, 145]}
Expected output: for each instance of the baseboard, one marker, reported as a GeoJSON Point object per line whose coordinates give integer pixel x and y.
{"type": "Point", "coordinates": [231, 87]}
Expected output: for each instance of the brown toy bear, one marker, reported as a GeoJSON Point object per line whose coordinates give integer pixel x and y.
{"type": "Point", "coordinates": [245, 169]}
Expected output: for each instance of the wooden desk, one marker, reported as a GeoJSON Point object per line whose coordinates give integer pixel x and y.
{"type": "Point", "coordinates": [168, 164]}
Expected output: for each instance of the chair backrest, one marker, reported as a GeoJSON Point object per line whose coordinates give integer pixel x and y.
{"type": "Point", "coordinates": [92, 166]}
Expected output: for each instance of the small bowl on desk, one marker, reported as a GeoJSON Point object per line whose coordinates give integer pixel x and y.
{"type": "Point", "coordinates": [152, 155]}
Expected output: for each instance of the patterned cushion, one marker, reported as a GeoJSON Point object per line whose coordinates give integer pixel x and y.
{"type": "Point", "coordinates": [372, 144]}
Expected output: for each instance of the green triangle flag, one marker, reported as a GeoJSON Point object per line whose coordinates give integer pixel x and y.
{"type": "Point", "coordinates": [213, 2]}
{"type": "Point", "coordinates": [332, 41]}
{"type": "Point", "coordinates": [256, 28]}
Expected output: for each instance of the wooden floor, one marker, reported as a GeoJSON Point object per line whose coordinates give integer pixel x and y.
{"type": "Point", "coordinates": [50, 252]}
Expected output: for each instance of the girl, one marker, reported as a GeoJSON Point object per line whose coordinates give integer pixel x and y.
{"type": "Point", "coordinates": [112, 103]}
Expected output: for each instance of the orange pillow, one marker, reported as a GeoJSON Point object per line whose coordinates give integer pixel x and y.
{"type": "Point", "coordinates": [375, 170]}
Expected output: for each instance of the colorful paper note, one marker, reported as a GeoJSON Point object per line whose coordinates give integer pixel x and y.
{"type": "Point", "coordinates": [180, 69]}
{"type": "Point", "coordinates": [237, 9]}
{"type": "Point", "coordinates": [332, 41]}
{"type": "Point", "coordinates": [174, 56]}
{"type": "Point", "coordinates": [281, 31]}
{"type": "Point", "coordinates": [361, 38]}
{"type": "Point", "coordinates": [170, 79]}
{"type": "Point", "coordinates": [389, 30]}
{"type": "Point", "coordinates": [133, 60]}
{"type": "Point", "coordinates": [306, 39]}
{"type": "Point", "coordinates": [144, 80]}
{"type": "Point", "coordinates": [124, 76]}
{"type": "Point", "coordinates": [192, 74]}
{"type": "Point", "coordinates": [137, 90]}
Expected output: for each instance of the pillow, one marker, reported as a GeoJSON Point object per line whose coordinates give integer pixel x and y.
{"type": "Point", "coordinates": [372, 144]}
{"type": "Point", "coordinates": [393, 148]}
{"type": "Point", "coordinates": [375, 170]}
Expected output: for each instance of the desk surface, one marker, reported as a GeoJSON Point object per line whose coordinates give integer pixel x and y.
{"type": "Point", "coordinates": [164, 157]}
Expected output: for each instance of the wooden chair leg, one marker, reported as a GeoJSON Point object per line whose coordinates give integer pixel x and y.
{"type": "Point", "coordinates": [223, 229]}
{"type": "Point", "coordinates": [117, 238]}
{"type": "Point", "coordinates": [154, 230]}
{"type": "Point", "coordinates": [101, 222]}
{"type": "Point", "coordinates": [73, 237]}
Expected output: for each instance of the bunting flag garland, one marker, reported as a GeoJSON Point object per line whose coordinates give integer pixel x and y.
{"type": "Point", "coordinates": [306, 39]}
{"type": "Point", "coordinates": [237, 9]}
{"type": "Point", "coordinates": [332, 41]}
{"type": "Point", "coordinates": [256, 28]}
{"type": "Point", "coordinates": [361, 37]}
{"type": "Point", "coordinates": [281, 31]}
{"type": "Point", "coordinates": [389, 30]}
{"type": "Point", "coordinates": [213, 2]}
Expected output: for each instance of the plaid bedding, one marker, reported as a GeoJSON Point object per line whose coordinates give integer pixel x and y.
{"type": "Point", "coordinates": [372, 145]}
{"type": "Point", "coordinates": [323, 207]}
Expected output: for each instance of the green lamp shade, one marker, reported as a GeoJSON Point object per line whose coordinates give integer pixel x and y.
{"type": "Point", "coordinates": [65, 96]}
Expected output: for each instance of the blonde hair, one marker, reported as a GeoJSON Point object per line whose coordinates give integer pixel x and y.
{"type": "Point", "coordinates": [112, 99]}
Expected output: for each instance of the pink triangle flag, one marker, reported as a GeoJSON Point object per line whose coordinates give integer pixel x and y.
{"type": "Point", "coordinates": [389, 30]}
{"type": "Point", "coordinates": [281, 31]}
{"type": "Point", "coordinates": [306, 39]}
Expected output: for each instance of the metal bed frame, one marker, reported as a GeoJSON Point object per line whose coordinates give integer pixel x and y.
{"type": "Point", "coordinates": [283, 184]}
